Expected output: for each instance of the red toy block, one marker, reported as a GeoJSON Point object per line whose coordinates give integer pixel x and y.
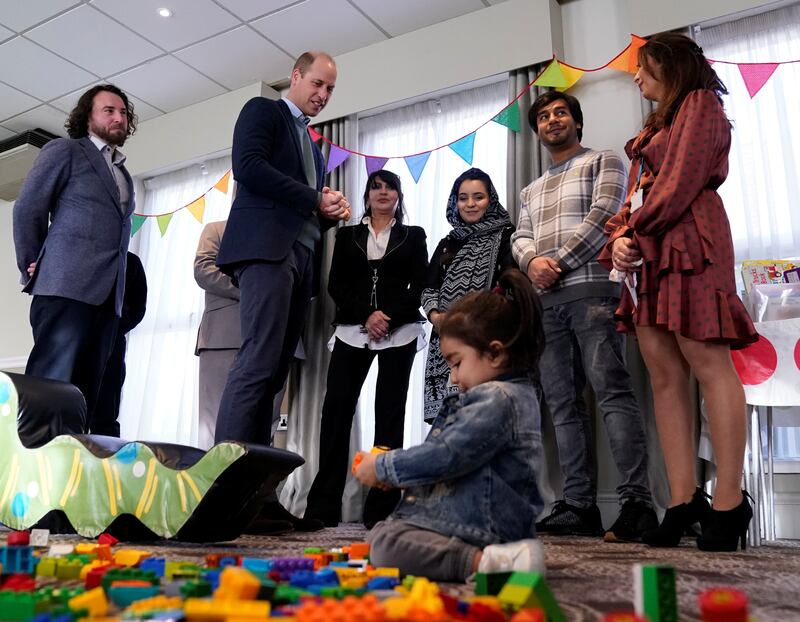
{"type": "Point", "coordinates": [94, 577]}
{"type": "Point", "coordinates": [623, 616]}
{"type": "Point", "coordinates": [20, 583]}
{"type": "Point", "coordinates": [107, 538]}
{"type": "Point", "coordinates": [722, 604]}
{"type": "Point", "coordinates": [530, 615]}
{"type": "Point", "coordinates": [18, 538]}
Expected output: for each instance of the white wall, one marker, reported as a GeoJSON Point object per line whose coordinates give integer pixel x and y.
{"type": "Point", "coordinates": [15, 331]}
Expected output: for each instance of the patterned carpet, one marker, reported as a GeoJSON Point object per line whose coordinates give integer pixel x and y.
{"type": "Point", "coordinates": [588, 577]}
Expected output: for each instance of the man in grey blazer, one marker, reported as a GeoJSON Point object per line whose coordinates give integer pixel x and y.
{"type": "Point", "coordinates": [219, 335]}
{"type": "Point", "coordinates": [72, 223]}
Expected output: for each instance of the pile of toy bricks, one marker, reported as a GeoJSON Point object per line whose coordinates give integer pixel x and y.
{"type": "Point", "coordinates": [100, 580]}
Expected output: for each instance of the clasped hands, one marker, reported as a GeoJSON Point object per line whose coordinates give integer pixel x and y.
{"type": "Point", "coordinates": [334, 205]}
{"type": "Point", "coordinates": [625, 255]}
{"type": "Point", "coordinates": [543, 271]}
{"type": "Point", "coordinates": [377, 325]}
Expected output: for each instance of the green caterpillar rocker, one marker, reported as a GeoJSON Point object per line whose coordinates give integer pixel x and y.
{"type": "Point", "coordinates": [53, 476]}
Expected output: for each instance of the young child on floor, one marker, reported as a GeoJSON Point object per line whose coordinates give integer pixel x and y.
{"type": "Point", "coordinates": [470, 499]}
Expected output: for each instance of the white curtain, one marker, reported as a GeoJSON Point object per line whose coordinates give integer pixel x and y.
{"type": "Point", "coordinates": [159, 399]}
{"type": "Point", "coordinates": [762, 189]}
{"type": "Point", "coordinates": [409, 130]}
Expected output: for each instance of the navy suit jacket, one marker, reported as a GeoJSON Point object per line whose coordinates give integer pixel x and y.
{"type": "Point", "coordinates": [69, 220]}
{"type": "Point", "coordinates": [273, 198]}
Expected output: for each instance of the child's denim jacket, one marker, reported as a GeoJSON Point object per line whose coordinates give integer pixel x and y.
{"type": "Point", "coordinates": [474, 476]}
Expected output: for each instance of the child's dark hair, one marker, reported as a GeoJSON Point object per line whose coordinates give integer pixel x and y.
{"type": "Point", "coordinates": [510, 313]}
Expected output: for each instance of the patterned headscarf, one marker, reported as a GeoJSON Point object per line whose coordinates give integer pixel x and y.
{"type": "Point", "coordinates": [472, 270]}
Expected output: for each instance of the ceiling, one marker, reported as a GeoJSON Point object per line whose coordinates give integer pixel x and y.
{"type": "Point", "coordinates": [51, 51]}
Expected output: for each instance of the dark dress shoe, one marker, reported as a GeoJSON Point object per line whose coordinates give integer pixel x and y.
{"type": "Point", "coordinates": [276, 512]}
{"type": "Point", "coordinates": [678, 521]}
{"type": "Point", "coordinates": [725, 530]}
{"type": "Point", "coordinates": [262, 526]}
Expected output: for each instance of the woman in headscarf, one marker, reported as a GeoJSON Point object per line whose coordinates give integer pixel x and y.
{"type": "Point", "coordinates": [470, 258]}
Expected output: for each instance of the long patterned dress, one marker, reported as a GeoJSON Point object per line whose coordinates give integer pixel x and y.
{"type": "Point", "coordinates": [687, 282]}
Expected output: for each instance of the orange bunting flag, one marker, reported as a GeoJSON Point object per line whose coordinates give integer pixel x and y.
{"type": "Point", "coordinates": [222, 184]}
{"type": "Point", "coordinates": [628, 59]}
{"type": "Point", "coordinates": [559, 75]}
{"type": "Point", "coordinates": [197, 208]}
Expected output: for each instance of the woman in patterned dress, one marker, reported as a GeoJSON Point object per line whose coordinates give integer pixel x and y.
{"type": "Point", "coordinates": [673, 241]}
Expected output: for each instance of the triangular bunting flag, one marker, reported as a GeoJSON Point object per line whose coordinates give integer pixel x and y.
{"type": "Point", "coordinates": [136, 223]}
{"type": "Point", "coordinates": [163, 222]}
{"type": "Point", "coordinates": [336, 157]}
{"type": "Point", "coordinates": [551, 76]}
{"type": "Point", "coordinates": [509, 117]}
{"type": "Point", "coordinates": [464, 147]}
{"type": "Point", "coordinates": [222, 184]}
{"type": "Point", "coordinates": [571, 75]}
{"type": "Point", "coordinates": [375, 164]}
{"type": "Point", "coordinates": [416, 164]}
{"type": "Point", "coordinates": [628, 59]}
{"type": "Point", "coordinates": [198, 208]}
{"type": "Point", "coordinates": [755, 75]}
{"type": "Point", "coordinates": [315, 135]}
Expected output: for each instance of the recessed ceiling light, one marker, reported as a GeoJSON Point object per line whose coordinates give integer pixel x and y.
{"type": "Point", "coordinates": [165, 12]}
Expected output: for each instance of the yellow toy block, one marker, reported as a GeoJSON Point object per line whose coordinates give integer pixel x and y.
{"type": "Point", "coordinates": [155, 602]}
{"type": "Point", "coordinates": [130, 557]}
{"type": "Point", "coordinates": [236, 582]}
{"type": "Point", "coordinates": [94, 601]}
{"type": "Point", "coordinates": [68, 569]}
{"type": "Point", "coordinates": [95, 563]}
{"type": "Point", "coordinates": [84, 548]}
{"type": "Point", "coordinates": [47, 567]}
{"type": "Point", "coordinates": [385, 572]}
{"type": "Point", "coordinates": [204, 610]}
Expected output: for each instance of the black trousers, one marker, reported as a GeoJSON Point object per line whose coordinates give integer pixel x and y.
{"type": "Point", "coordinates": [273, 302]}
{"type": "Point", "coordinates": [106, 412]}
{"type": "Point", "coordinates": [347, 371]}
{"type": "Point", "coordinates": [72, 341]}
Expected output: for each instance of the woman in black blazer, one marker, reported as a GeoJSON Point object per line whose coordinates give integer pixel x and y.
{"type": "Point", "coordinates": [376, 278]}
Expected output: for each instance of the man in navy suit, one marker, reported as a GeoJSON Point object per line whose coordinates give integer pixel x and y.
{"type": "Point", "coordinates": [271, 243]}
{"type": "Point", "coordinates": [72, 223]}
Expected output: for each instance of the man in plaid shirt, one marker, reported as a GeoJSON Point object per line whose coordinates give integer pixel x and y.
{"type": "Point", "coordinates": [559, 236]}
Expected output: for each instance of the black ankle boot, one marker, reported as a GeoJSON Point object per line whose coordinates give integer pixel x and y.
{"type": "Point", "coordinates": [724, 529]}
{"type": "Point", "coordinates": [677, 520]}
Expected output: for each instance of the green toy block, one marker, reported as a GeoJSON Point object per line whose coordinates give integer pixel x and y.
{"type": "Point", "coordinates": [529, 590]}
{"type": "Point", "coordinates": [490, 583]}
{"type": "Point", "coordinates": [21, 605]}
{"type": "Point", "coordinates": [47, 567]}
{"type": "Point", "coordinates": [196, 589]}
{"type": "Point", "coordinates": [84, 558]}
{"type": "Point", "coordinates": [313, 550]}
{"type": "Point", "coordinates": [285, 594]}
{"type": "Point", "coordinates": [181, 570]}
{"type": "Point", "coordinates": [128, 574]}
{"type": "Point", "coordinates": [654, 589]}
{"type": "Point", "coordinates": [68, 569]}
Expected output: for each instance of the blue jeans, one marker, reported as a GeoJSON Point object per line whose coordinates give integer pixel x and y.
{"type": "Point", "coordinates": [583, 344]}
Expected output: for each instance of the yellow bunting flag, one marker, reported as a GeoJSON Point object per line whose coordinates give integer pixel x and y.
{"type": "Point", "coordinates": [197, 208]}
{"type": "Point", "coordinates": [628, 59]}
{"type": "Point", "coordinates": [571, 75]}
{"type": "Point", "coordinates": [222, 184]}
{"type": "Point", "coordinates": [163, 222]}
{"type": "Point", "coordinates": [559, 76]}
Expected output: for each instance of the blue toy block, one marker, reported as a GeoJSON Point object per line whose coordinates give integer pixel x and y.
{"type": "Point", "coordinates": [256, 565]}
{"type": "Point", "coordinates": [382, 583]}
{"type": "Point", "coordinates": [156, 564]}
{"type": "Point", "coordinates": [17, 559]}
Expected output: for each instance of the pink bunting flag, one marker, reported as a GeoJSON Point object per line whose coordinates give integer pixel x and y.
{"type": "Point", "coordinates": [315, 135]}
{"type": "Point", "coordinates": [755, 75]}
{"type": "Point", "coordinates": [375, 164]}
{"type": "Point", "coordinates": [336, 157]}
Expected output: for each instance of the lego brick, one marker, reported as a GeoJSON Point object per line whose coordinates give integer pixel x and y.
{"type": "Point", "coordinates": [723, 605]}
{"type": "Point", "coordinates": [39, 537]}
{"type": "Point", "coordinates": [94, 601]}
{"type": "Point", "coordinates": [237, 583]}
{"type": "Point", "coordinates": [530, 590]}
{"type": "Point", "coordinates": [490, 583]}
{"type": "Point", "coordinates": [654, 592]}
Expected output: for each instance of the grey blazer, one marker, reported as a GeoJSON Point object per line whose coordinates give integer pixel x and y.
{"type": "Point", "coordinates": [69, 220]}
{"type": "Point", "coordinates": [220, 328]}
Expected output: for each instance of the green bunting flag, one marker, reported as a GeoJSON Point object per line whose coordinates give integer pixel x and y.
{"type": "Point", "coordinates": [509, 117]}
{"type": "Point", "coordinates": [163, 222]}
{"type": "Point", "coordinates": [136, 223]}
